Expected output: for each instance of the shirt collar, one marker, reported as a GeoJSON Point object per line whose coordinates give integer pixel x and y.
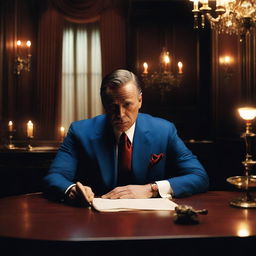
{"type": "Point", "coordinates": [129, 133]}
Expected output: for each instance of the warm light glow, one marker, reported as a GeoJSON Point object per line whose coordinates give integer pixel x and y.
{"type": "Point", "coordinates": [243, 229]}
{"type": "Point", "coordinates": [195, 4]}
{"type": "Point", "coordinates": [28, 43]}
{"type": "Point", "coordinates": [18, 43]}
{"type": "Point", "coordinates": [30, 129]}
{"type": "Point", "coordinates": [229, 16]}
{"type": "Point", "coordinates": [62, 132]}
{"type": "Point", "coordinates": [247, 113]}
{"type": "Point", "coordinates": [10, 126]}
{"type": "Point", "coordinates": [180, 65]}
{"type": "Point", "coordinates": [145, 66]}
{"type": "Point", "coordinates": [166, 59]}
{"type": "Point", "coordinates": [226, 60]}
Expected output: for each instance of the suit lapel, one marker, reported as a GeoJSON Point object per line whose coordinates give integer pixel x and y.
{"type": "Point", "coordinates": [104, 144]}
{"type": "Point", "coordinates": [142, 148]}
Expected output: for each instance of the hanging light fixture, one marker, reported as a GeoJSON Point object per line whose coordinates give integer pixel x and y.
{"type": "Point", "coordinates": [165, 79]}
{"type": "Point", "coordinates": [23, 58]}
{"type": "Point", "coordinates": [232, 16]}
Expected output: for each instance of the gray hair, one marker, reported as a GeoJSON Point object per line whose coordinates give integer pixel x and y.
{"type": "Point", "coordinates": [118, 78]}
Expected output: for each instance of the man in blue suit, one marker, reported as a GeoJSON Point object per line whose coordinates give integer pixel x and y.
{"type": "Point", "coordinates": [87, 162]}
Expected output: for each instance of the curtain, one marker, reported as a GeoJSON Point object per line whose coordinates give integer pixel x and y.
{"type": "Point", "coordinates": [111, 18]}
{"type": "Point", "coordinates": [81, 73]}
{"type": "Point", "coordinates": [48, 85]}
{"type": "Point", "coordinates": [82, 11]}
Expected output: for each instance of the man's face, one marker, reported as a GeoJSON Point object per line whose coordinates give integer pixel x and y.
{"type": "Point", "coordinates": [122, 106]}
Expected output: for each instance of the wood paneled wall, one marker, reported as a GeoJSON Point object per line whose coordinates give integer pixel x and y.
{"type": "Point", "coordinates": [203, 108]}
{"type": "Point", "coordinates": [18, 22]}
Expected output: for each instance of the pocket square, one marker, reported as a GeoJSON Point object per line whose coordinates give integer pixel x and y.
{"type": "Point", "coordinates": [155, 158]}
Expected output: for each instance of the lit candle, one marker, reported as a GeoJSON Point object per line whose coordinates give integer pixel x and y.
{"type": "Point", "coordinates": [145, 66]}
{"type": "Point", "coordinates": [28, 43]}
{"type": "Point", "coordinates": [62, 132]}
{"type": "Point", "coordinates": [166, 59]}
{"type": "Point", "coordinates": [180, 65]}
{"type": "Point", "coordinates": [18, 43]}
{"type": "Point", "coordinates": [10, 126]}
{"type": "Point", "coordinates": [166, 62]}
{"type": "Point", "coordinates": [29, 129]}
{"type": "Point", "coordinates": [195, 5]}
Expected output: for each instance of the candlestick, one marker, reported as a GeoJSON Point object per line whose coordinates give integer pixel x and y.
{"type": "Point", "coordinates": [166, 61]}
{"type": "Point", "coordinates": [180, 65]}
{"type": "Point", "coordinates": [145, 65]}
{"type": "Point", "coordinates": [62, 133]}
{"type": "Point", "coordinates": [30, 129]}
{"type": "Point", "coordinates": [18, 43]}
{"type": "Point", "coordinates": [11, 131]}
{"type": "Point", "coordinates": [28, 44]}
{"type": "Point", "coordinates": [10, 126]}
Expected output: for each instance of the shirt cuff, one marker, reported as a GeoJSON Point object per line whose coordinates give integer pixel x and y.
{"type": "Point", "coordinates": [164, 189]}
{"type": "Point", "coordinates": [69, 187]}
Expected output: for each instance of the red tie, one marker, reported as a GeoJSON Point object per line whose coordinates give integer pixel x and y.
{"type": "Point", "coordinates": [124, 160]}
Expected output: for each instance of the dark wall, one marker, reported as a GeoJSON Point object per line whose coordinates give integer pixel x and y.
{"type": "Point", "coordinates": [17, 96]}
{"type": "Point", "coordinates": [154, 25]}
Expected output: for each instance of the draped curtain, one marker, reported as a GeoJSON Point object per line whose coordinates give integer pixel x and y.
{"type": "Point", "coordinates": [109, 14]}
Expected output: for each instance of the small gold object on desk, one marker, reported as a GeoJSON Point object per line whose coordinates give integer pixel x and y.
{"type": "Point", "coordinates": [185, 214]}
{"type": "Point", "coordinates": [246, 182]}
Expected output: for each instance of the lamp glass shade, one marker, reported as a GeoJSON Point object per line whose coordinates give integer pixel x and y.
{"type": "Point", "coordinates": [247, 113]}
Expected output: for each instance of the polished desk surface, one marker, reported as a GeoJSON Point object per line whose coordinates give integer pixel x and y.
{"type": "Point", "coordinates": [32, 217]}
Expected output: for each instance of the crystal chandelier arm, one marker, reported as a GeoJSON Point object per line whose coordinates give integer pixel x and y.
{"type": "Point", "coordinates": [212, 19]}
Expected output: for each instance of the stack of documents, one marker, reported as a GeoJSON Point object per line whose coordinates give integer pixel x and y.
{"type": "Point", "coordinates": [114, 205]}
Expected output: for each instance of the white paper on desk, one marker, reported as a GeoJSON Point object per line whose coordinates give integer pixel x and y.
{"type": "Point", "coordinates": [114, 205]}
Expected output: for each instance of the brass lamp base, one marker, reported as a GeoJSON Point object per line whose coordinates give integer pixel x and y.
{"type": "Point", "coordinates": [247, 184]}
{"type": "Point", "coordinates": [244, 202]}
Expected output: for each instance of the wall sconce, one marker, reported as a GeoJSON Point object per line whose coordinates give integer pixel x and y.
{"type": "Point", "coordinates": [23, 58]}
{"type": "Point", "coordinates": [164, 80]}
{"type": "Point", "coordinates": [226, 63]}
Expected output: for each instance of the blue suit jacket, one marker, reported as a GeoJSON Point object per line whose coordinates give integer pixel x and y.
{"type": "Point", "coordinates": [88, 155]}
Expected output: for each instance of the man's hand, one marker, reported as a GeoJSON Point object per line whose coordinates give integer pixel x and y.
{"type": "Point", "coordinates": [80, 195]}
{"type": "Point", "coordinates": [130, 191]}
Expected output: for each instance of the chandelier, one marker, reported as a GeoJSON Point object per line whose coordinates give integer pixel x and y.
{"type": "Point", "coordinates": [232, 16]}
{"type": "Point", "coordinates": [23, 58]}
{"type": "Point", "coordinates": [164, 80]}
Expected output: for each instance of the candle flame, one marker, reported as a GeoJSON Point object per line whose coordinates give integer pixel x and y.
{"type": "Point", "coordinates": [180, 65]}
{"type": "Point", "coordinates": [145, 65]}
{"type": "Point", "coordinates": [166, 59]}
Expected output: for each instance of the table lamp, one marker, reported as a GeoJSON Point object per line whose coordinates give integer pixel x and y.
{"type": "Point", "coordinates": [247, 182]}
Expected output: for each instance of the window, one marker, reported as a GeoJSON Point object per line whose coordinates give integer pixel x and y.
{"type": "Point", "coordinates": [81, 73]}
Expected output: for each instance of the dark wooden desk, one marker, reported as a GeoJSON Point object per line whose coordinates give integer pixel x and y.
{"type": "Point", "coordinates": [31, 224]}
